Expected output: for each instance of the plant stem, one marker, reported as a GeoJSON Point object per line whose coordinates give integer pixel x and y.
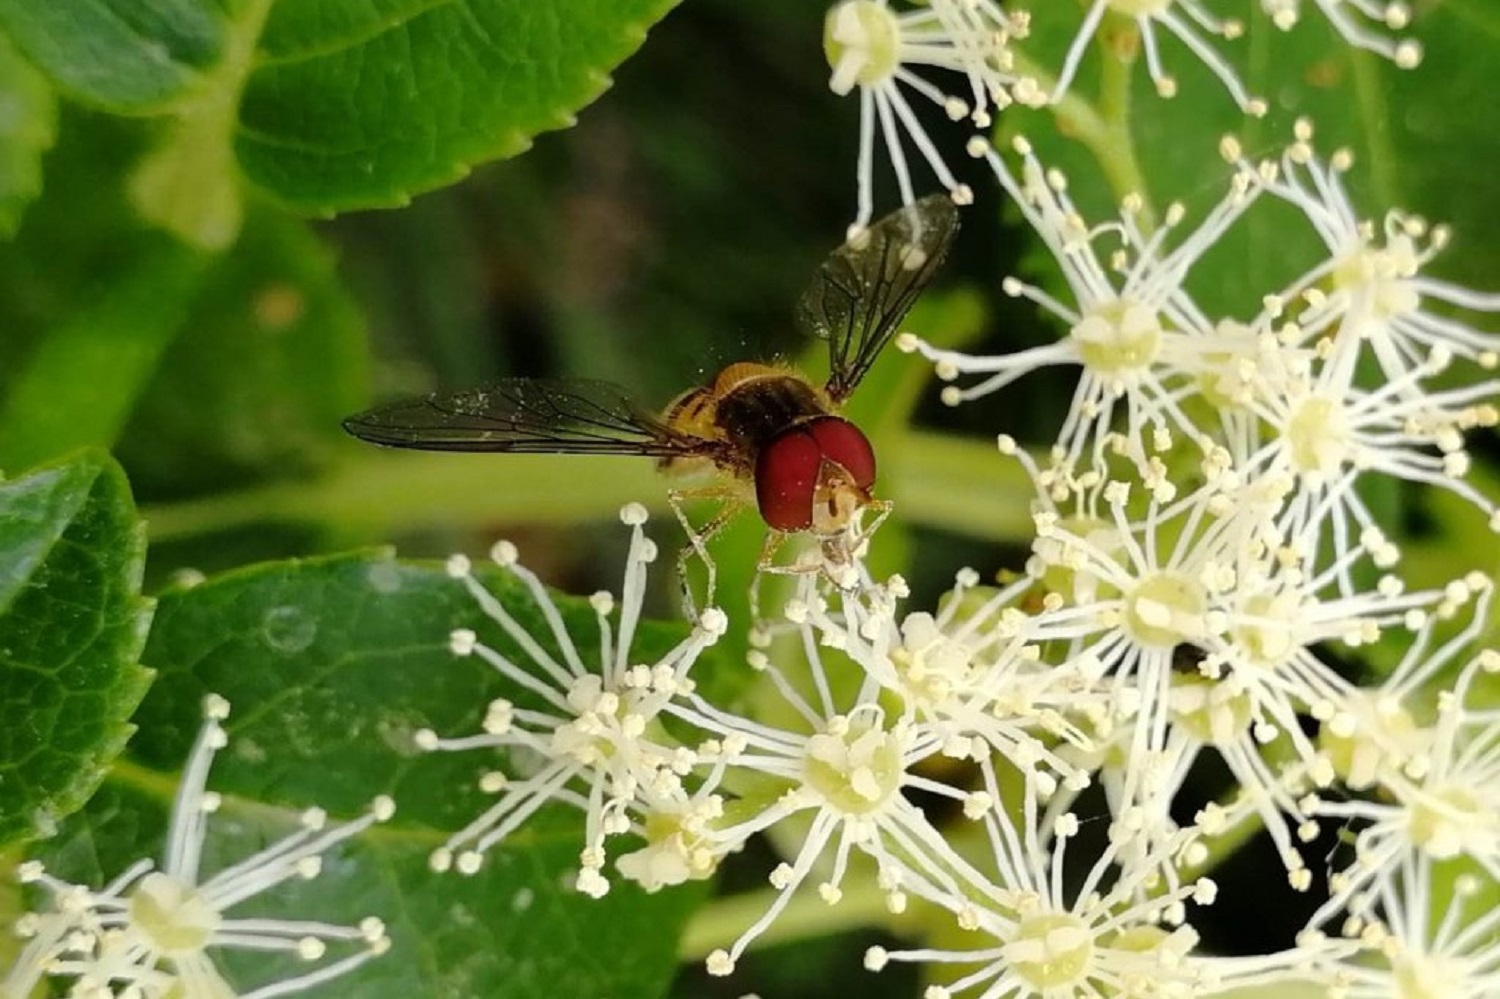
{"type": "Point", "coordinates": [1114, 147]}
{"type": "Point", "coordinates": [1103, 129]}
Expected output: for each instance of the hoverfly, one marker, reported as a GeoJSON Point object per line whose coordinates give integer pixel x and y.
{"type": "Point", "coordinates": [764, 428]}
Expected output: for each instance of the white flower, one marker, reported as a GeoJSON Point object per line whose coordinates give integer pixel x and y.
{"type": "Point", "coordinates": [1350, 18]}
{"type": "Point", "coordinates": [1132, 590]}
{"type": "Point", "coordinates": [1141, 341]}
{"type": "Point", "coordinates": [1129, 592]}
{"type": "Point", "coordinates": [1437, 785]}
{"type": "Point", "coordinates": [872, 47]}
{"type": "Point", "coordinates": [834, 784]}
{"type": "Point", "coordinates": [1370, 290]}
{"type": "Point", "coordinates": [593, 740]}
{"type": "Point", "coordinates": [47, 938]}
{"type": "Point", "coordinates": [1422, 943]}
{"type": "Point", "coordinates": [149, 931]}
{"type": "Point", "coordinates": [1274, 618]}
{"type": "Point", "coordinates": [1321, 434]}
{"type": "Point", "coordinates": [1115, 934]}
{"type": "Point", "coordinates": [971, 674]}
{"type": "Point", "coordinates": [677, 827]}
{"type": "Point", "coordinates": [1189, 21]}
{"type": "Point", "coordinates": [1373, 731]}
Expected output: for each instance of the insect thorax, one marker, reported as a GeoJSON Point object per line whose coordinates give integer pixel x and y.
{"type": "Point", "coordinates": [756, 403]}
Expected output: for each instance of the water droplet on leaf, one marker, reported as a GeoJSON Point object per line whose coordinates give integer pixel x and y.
{"type": "Point", "coordinates": [288, 629]}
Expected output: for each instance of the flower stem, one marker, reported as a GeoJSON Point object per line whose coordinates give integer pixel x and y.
{"type": "Point", "coordinates": [1103, 128]}
{"type": "Point", "coordinates": [1114, 146]}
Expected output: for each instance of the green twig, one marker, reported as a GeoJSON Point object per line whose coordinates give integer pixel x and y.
{"type": "Point", "coordinates": [1103, 129]}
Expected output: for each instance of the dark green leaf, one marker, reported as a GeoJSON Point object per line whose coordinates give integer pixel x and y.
{"type": "Point", "coordinates": [72, 623]}
{"type": "Point", "coordinates": [328, 105]}
{"type": "Point", "coordinates": [354, 104]}
{"type": "Point", "coordinates": [331, 666]}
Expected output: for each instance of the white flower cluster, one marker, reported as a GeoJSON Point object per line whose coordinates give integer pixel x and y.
{"type": "Point", "coordinates": [1207, 532]}
{"type": "Point", "coordinates": [885, 51]}
{"type": "Point", "coordinates": [148, 933]}
{"type": "Point", "coordinates": [941, 755]}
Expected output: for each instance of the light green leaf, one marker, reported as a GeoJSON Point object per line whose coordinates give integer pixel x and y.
{"type": "Point", "coordinates": [72, 623]}
{"type": "Point", "coordinates": [88, 299]}
{"type": "Point", "coordinates": [331, 666]}
{"type": "Point", "coordinates": [80, 381]}
{"type": "Point", "coordinates": [28, 125]}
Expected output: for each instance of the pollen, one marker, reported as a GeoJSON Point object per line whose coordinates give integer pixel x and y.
{"type": "Point", "coordinates": [1213, 712]}
{"type": "Point", "coordinates": [174, 915]}
{"type": "Point", "coordinates": [1450, 820]}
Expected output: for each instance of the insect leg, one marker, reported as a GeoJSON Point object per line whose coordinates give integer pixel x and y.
{"type": "Point", "coordinates": [862, 533]}
{"type": "Point", "coordinates": [698, 538]}
{"type": "Point", "coordinates": [766, 563]}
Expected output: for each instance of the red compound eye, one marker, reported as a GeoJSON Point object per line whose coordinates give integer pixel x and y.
{"type": "Point", "coordinates": [786, 473]}
{"type": "Point", "coordinates": [843, 442]}
{"type": "Point", "coordinates": [787, 469]}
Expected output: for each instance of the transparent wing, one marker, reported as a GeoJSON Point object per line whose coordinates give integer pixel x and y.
{"type": "Point", "coordinates": [528, 416]}
{"type": "Point", "coordinates": [865, 288]}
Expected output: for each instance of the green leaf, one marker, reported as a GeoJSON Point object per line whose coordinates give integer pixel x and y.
{"type": "Point", "coordinates": [122, 55]}
{"type": "Point", "coordinates": [72, 623]}
{"type": "Point", "coordinates": [355, 104]}
{"type": "Point", "coordinates": [328, 105]}
{"type": "Point", "coordinates": [28, 125]}
{"type": "Point", "coordinates": [331, 666]}
{"type": "Point", "coordinates": [1440, 143]}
